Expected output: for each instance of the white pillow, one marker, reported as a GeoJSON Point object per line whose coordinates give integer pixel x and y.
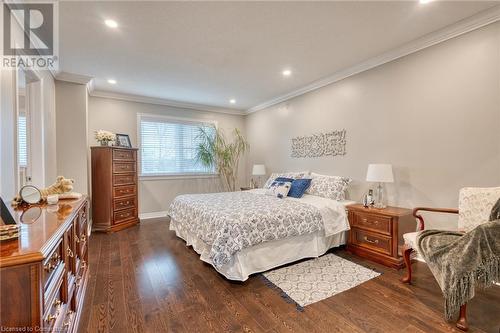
{"type": "Point", "coordinates": [293, 175]}
{"type": "Point", "coordinates": [332, 187]}
{"type": "Point", "coordinates": [279, 189]}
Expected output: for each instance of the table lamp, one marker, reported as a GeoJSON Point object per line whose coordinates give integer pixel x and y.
{"type": "Point", "coordinates": [258, 170]}
{"type": "Point", "coordinates": [380, 173]}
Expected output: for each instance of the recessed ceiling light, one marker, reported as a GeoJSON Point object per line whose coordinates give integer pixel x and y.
{"type": "Point", "coordinates": [111, 81]}
{"type": "Point", "coordinates": [232, 101]}
{"type": "Point", "coordinates": [287, 72]}
{"type": "Point", "coordinates": [425, 1]}
{"type": "Point", "coordinates": [111, 23]}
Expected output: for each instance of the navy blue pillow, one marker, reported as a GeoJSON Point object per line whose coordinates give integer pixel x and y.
{"type": "Point", "coordinates": [283, 179]}
{"type": "Point", "coordinates": [299, 186]}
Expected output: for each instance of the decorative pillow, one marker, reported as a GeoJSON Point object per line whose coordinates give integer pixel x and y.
{"type": "Point", "coordinates": [279, 189]}
{"type": "Point", "coordinates": [475, 205]}
{"type": "Point", "coordinates": [284, 179]}
{"type": "Point", "coordinates": [299, 187]}
{"type": "Point", "coordinates": [293, 175]}
{"type": "Point", "coordinates": [332, 187]}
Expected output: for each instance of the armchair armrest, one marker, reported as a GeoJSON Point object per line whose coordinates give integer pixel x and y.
{"type": "Point", "coordinates": [436, 210]}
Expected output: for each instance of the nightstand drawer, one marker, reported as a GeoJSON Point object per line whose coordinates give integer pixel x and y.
{"type": "Point", "coordinates": [371, 240]}
{"type": "Point", "coordinates": [374, 223]}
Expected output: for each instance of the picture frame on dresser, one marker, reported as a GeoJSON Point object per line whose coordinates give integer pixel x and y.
{"type": "Point", "coordinates": [114, 188]}
{"type": "Point", "coordinates": [123, 140]}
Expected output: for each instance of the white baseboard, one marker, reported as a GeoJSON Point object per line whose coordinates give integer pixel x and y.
{"type": "Point", "coordinates": [152, 215]}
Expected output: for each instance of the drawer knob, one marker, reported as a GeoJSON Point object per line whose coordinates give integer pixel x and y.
{"type": "Point", "coordinates": [57, 303]}
{"type": "Point", "coordinates": [371, 241]}
{"type": "Point", "coordinates": [70, 253]}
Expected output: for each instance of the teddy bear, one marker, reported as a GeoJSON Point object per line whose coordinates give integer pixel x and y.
{"type": "Point", "coordinates": [62, 185]}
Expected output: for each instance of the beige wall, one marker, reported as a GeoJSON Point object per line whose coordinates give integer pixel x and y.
{"type": "Point", "coordinates": [435, 115]}
{"type": "Point", "coordinates": [120, 116]}
{"type": "Point", "coordinates": [71, 121]}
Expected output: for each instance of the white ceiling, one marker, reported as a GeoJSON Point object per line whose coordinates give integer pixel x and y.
{"type": "Point", "coordinates": [210, 52]}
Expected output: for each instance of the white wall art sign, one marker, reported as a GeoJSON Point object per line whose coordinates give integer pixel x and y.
{"type": "Point", "coordinates": [324, 144]}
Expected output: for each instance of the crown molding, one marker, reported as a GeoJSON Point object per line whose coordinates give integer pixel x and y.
{"type": "Point", "coordinates": [459, 28]}
{"type": "Point", "coordinates": [73, 78]}
{"type": "Point", "coordinates": [161, 101]}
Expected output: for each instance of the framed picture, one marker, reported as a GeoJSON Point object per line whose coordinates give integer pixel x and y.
{"type": "Point", "coordinates": [123, 140]}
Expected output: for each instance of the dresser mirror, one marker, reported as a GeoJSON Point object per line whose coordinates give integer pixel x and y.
{"type": "Point", "coordinates": [30, 194]}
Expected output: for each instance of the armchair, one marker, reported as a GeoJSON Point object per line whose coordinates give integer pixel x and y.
{"type": "Point", "coordinates": [475, 205]}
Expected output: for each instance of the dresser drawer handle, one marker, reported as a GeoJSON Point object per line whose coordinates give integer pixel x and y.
{"type": "Point", "coordinates": [48, 267]}
{"type": "Point", "coordinates": [70, 253]}
{"type": "Point", "coordinates": [52, 317]}
{"type": "Point", "coordinates": [57, 303]}
{"type": "Point", "coordinates": [68, 322]}
{"type": "Point", "coordinates": [84, 264]}
{"type": "Point", "coordinates": [371, 241]}
{"type": "Point", "coordinates": [365, 220]}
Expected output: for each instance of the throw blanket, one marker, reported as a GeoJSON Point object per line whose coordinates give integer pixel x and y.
{"type": "Point", "coordinates": [462, 262]}
{"type": "Point", "coordinates": [230, 222]}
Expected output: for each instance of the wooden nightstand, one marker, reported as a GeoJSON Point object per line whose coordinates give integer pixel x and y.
{"type": "Point", "coordinates": [377, 234]}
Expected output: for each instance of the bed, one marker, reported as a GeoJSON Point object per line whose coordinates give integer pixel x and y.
{"type": "Point", "coordinates": [242, 233]}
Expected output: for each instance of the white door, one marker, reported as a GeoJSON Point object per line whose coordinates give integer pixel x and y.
{"type": "Point", "coordinates": [28, 125]}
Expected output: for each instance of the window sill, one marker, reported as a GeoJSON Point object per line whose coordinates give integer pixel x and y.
{"type": "Point", "coordinates": [178, 176]}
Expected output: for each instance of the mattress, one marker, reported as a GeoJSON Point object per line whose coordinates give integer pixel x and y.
{"type": "Point", "coordinates": [241, 233]}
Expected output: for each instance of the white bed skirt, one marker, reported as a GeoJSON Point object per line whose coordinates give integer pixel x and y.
{"type": "Point", "coordinates": [265, 256]}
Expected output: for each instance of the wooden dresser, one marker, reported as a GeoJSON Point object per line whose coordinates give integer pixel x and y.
{"type": "Point", "coordinates": [44, 272]}
{"type": "Point", "coordinates": [377, 234]}
{"type": "Point", "coordinates": [114, 188]}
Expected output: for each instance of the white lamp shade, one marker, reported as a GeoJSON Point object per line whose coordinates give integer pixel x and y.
{"type": "Point", "coordinates": [379, 173]}
{"type": "Point", "coordinates": [259, 170]}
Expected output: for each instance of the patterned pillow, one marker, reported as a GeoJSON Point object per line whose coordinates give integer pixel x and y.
{"type": "Point", "coordinates": [332, 187]}
{"type": "Point", "coordinates": [293, 175]}
{"type": "Point", "coordinates": [279, 189]}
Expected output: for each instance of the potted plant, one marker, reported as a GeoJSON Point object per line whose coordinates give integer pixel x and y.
{"type": "Point", "coordinates": [215, 151]}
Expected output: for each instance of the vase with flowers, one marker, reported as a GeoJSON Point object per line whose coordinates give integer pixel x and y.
{"type": "Point", "coordinates": [104, 137]}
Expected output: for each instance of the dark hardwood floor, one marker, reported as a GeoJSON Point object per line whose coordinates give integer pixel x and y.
{"type": "Point", "coordinates": [144, 279]}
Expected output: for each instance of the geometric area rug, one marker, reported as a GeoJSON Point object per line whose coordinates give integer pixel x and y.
{"type": "Point", "coordinates": [313, 280]}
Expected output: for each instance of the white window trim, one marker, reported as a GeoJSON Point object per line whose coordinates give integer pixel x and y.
{"type": "Point", "coordinates": [168, 176]}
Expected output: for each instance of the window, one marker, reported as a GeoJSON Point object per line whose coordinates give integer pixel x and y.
{"type": "Point", "coordinates": [22, 140]}
{"type": "Point", "coordinates": [168, 146]}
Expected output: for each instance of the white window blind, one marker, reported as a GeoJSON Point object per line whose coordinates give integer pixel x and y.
{"type": "Point", "coordinates": [168, 146]}
{"type": "Point", "coordinates": [22, 141]}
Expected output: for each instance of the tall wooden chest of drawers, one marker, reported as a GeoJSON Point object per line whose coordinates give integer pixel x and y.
{"type": "Point", "coordinates": [44, 273]}
{"type": "Point", "coordinates": [114, 188]}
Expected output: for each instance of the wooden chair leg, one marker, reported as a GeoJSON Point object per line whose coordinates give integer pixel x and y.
{"type": "Point", "coordinates": [406, 256]}
{"type": "Point", "coordinates": [462, 318]}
